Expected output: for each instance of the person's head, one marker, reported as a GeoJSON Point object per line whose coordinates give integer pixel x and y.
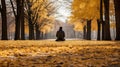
{"type": "Point", "coordinates": [60, 28]}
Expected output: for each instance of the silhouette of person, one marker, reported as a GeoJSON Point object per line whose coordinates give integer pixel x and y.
{"type": "Point", "coordinates": [60, 35]}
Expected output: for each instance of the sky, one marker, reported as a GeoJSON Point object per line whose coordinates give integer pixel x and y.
{"type": "Point", "coordinates": [63, 11]}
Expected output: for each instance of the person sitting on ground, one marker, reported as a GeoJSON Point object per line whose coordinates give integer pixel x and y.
{"type": "Point", "coordinates": [60, 35]}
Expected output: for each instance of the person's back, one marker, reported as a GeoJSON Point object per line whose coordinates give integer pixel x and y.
{"type": "Point", "coordinates": [60, 35]}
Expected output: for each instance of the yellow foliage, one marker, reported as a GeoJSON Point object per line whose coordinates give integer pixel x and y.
{"type": "Point", "coordinates": [94, 24]}
{"type": "Point", "coordinates": [46, 28]}
{"type": "Point", "coordinates": [85, 10]}
{"type": "Point", "coordinates": [45, 11]}
{"type": "Point", "coordinates": [78, 28]}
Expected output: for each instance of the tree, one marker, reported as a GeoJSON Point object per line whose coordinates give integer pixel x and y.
{"type": "Point", "coordinates": [4, 20]}
{"type": "Point", "coordinates": [85, 10]}
{"type": "Point", "coordinates": [107, 21]}
{"type": "Point", "coordinates": [38, 32]}
{"type": "Point", "coordinates": [22, 21]}
{"type": "Point", "coordinates": [99, 29]}
{"type": "Point", "coordinates": [17, 23]}
{"type": "Point", "coordinates": [39, 15]}
{"type": "Point", "coordinates": [100, 21]}
{"type": "Point", "coordinates": [31, 26]}
{"type": "Point", "coordinates": [88, 29]}
{"type": "Point", "coordinates": [117, 16]}
{"type": "Point", "coordinates": [19, 18]}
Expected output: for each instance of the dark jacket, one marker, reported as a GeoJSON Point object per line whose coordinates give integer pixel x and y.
{"type": "Point", "coordinates": [60, 34]}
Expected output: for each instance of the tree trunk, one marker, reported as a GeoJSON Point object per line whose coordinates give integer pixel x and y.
{"type": "Point", "coordinates": [107, 22]}
{"type": "Point", "coordinates": [30, 22]}
{"type": "Point", "coordinates": [117, 16]}
{"type": "Point", "coordinates": [89, 30]}
{"type": "Point", "coordinates": [31, 32]}
{"type": "Point", "coordinates": [38, 35]}
{"type": "Point", "coordinates": [103, 30]}
{"type": "Point", "coordinates": [37, 32]}
{"type": "Point", "coordinates": [17, 23]}
{"type": "Point", "coordinates": [99, 30]}
{"type": "Point", "coordinates": [100, 21]}
{"type": "Point", "coordinates": [22, 22]}
{"type": "Point", "coordinates": [84, 32]}
{"type": "Point", "coordinates": [4, 20]}
{"type": "Point", "coordinates": [42, 35]}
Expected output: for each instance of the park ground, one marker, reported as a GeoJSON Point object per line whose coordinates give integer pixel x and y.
{"type": "Point", "coordinates": [49, 53]}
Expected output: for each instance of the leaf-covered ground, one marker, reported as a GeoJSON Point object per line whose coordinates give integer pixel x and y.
{"type": "Point", "coordinates": [48, 53]}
